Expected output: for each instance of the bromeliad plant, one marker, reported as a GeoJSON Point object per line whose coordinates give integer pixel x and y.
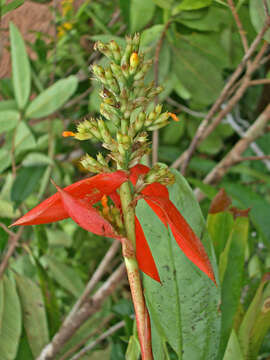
{"type": "Point", "coordinates": [105, 204]}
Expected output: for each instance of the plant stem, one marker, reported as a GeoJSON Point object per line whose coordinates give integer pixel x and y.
{"type": "Point", "coordinates": [129, 253]}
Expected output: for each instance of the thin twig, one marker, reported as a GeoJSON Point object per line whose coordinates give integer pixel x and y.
{"type": "Point", "coordinates": [252, 158]}
{"type": "Point", "coordinates": [238, 129]}
{"type": "Point", "coordinates": [155, 138]}
{"type": "Point", "coordinates": [13, 242]}
{"type": "Point", "coordinates": [260, 82]}
{"type": "Point", "coordinates": [89, 308]}
{"type": "Point", "coordinates": [239, 25]}
{"type": "Point", "coordinates": [185, 109]}
{"type": "Point", "coordinates": [96, 277]}
{"type": "Point", "coordinates": [78, 98]}
{"type": "Point", "coordinates": [93, 333]}
{"type": "Point", "coordinates": [255, 130]}
{"type": "Point", "coordinates": [186, 156]}
{"type": "Point", "coordinates": [102, 337]}
{"type": "Point", "coordinates": [6, 229]}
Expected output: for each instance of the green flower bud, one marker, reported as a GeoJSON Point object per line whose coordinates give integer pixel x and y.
{"type": "Point", "coordinates": [99, 72]}
{"type": "Point", "coordinates": [116, 51]}
{"type": "Point", "coordinates": [106, 136]}
{"type": "Point", "coordinates": [92, 165]}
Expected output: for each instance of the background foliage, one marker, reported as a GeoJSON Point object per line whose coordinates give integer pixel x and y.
{"type": "Point", "coordinates": [196, 46]}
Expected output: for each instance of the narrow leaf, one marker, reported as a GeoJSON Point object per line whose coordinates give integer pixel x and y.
{"type": "Point", "coordinates": [64, 275]}
{"type": "Point", "coordinates": [92, 189]}
{"type": "Point", "coordinates": [21, 76]}
{"type": "Point", "coordinates": [86, 216]}
{"type": "Point", "coordinates": [11, 321]}
{"type": "Point", "coordinates": [231, 275]}
{"type": "Point", "coordinates": [34, 316]}
{"type": "Point", "coordinates": [144, 255]}
{"type": "Point", "coordinates": [233, 350]}
{"type": "Point", "coordinates": [52, 98]}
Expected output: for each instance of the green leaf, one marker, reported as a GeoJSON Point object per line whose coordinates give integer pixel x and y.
{"type": "Point", "coordinates": [9, 120]}
{"type": "Point", "coordinates": [173, 132]}
{"type": "Point", "coordinates": [212, 19]}
{"type": "Point", "coordinates": [258, 16]}
{"type": "Point", "coordinates": [21, 72]}
{"type": "Point", "coordinates": [191, 5]}
{"type": "Point", "coordinates": [7, 210]}
{"type": "Point", "coordinates": [36, 159]}
{"type": "Point", "coordinates": [233, 350]}
{"type": "Point", "coordinates": [198, 75]}
{"type": "Point", "coordinates": [11, 321]}
{"type": "Point", "coordinates": [231, 267]}
{"type": "Point", "coordinates": [141, 12]}
{"type": "Point", "coordinates": [24, 139]}
{"type": "Point", "coordinates": [52, 98]}
{"type": "Point", "coordinates": [10, 6]}
{"type": "Point", "coordinates": [24, 351]}
{"type": "Point", "coordinates": [26, 182]}
{"type": "Point", "coordinates": [8, 105]}
{"type": "Point", "coordinates": [34, 316]}
{"type": "Point", "coordinates": [219, 227]}
{"type": "Point", "coordinates": [184, 309]}
{"type": "Point", "coordinates": [257, 318]}
{"type": "Point", "coordinates": [133, 349]}
{"type": "Point", "coordinates": [65, 276]}
{"type": "Point", "coordinates": [260, 207]}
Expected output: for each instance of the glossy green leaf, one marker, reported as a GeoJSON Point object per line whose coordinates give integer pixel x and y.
{"type": "Point", "coordinates": [21, 72]}
{"type": "Point", "coordinates": [141, 12]}
{"type": "Point", "coordinates": [233, 350]}
{"type": "Point", "coordinates": [9, 120]}
{"type": "Point", "coordinates": [258, 16]}
{"type": "Point", "coordinates": [199, 76]}
{"type": "Point", "coordinates": [191, 5]}
{"type": "Point", "coordinates": [219, 227]}
{"type": "Point", "coordinates": [34, 316]}
{"type": "Point", "coordinates": [26, 182]}
{"type": "Point", "coordinates": [65, 276]}
{"type": "Point", "coordinates": [11, 321]}
{"type": "Point", "coordinates": [191, 321]}
{"type": "Point", "coordinates": [231, 265]}
{"type": "Point", "coordinates": [52, 98]}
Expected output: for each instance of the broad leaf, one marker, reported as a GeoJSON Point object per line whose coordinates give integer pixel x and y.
{"type": "Point", "coordinates": [52, 98]}
{"type": "Point", "coordinates": [9, 120]}
{"type": "Point", "coordinates": [141, 12]}
{"type": "Point", "coordinates": [199, 76]}
{"type": "Point", "coordinates": [191, 5]}
{"type": "Point", "coordinates": [184, 308]}
{"type": "Point", "coordinates": [34, 316]}
{"type": "Point", "coordinates": [26, 182]}
{"type": "Point", "coordinates": [21, 73]}
{"type": "Point", "coordinates": [258, 16]}
{"type": "Point", "coordinates": [11, 321]}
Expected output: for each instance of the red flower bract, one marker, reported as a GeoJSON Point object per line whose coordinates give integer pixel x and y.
{"type": "Point", "coordinates": [77, 200]}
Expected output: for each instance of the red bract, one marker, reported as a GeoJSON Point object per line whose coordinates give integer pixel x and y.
{"type": "Point", "coordinates": [76, 201]}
